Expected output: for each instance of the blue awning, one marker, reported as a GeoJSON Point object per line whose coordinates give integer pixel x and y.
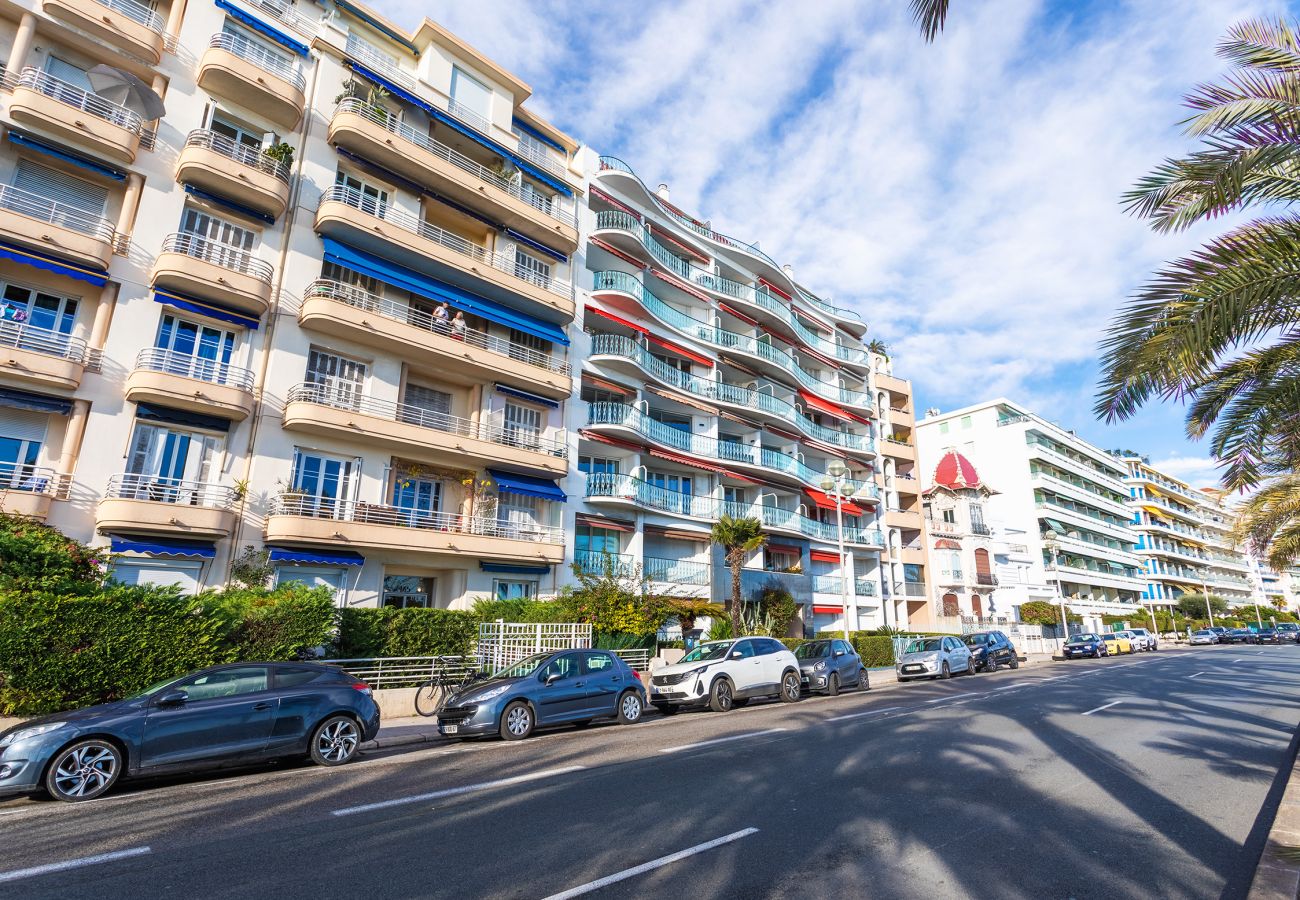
{"type": "Point", "coordinates": [417, 283]}
{"type": "Point", "coordinates": [507, 568]}
{"type": "Point", "coordinates": [16, 399]}
{"type": "Point", "coordinates": [231, 205]}
{"type": "Point", "coordinates": [97, 277]}
{"type": "Point", "coordinates": [207, 308]}
{"type": "Point", "coordinates": [317, 558]}
{"type": "Point", "coordinates": [538, 246]}
{"type": "Point", "coordinates": [379, 25]}
{"type": "Point", "coordinates": [417, 189]}
{"type": "Point", "coordinates": [262, 28]}
{"type": "Point", "coordinates": [70, 156]}
{"type": "Point", "coordinates": [152, 412]}
{"type": "Point", "coordinates": [457, 125]}
{"type": "Point", "coordinates": [175, 547]}
{"type": "Point", "coordinates": [524, 395]}
{"type": "Point", "coordinates": [528, 485]}
{"type": "Point", "coordinates": [525, 127]}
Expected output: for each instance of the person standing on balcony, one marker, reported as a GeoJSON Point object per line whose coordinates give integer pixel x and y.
{"type": "Point", "coordinates": [458, 326]}
{"type": "Point", "coordinates": [440, 317]}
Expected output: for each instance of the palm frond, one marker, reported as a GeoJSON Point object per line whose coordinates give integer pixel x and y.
{"type": "Point", "coordinates": [1262, 44]}
{"type": "Point", "coordinates": [1272, 512]}
{"type": "Point", "coordinates": [930, 16]}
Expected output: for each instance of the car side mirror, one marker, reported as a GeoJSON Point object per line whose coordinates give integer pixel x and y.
{"type": "Point", "coordinates": [554, 677]}
{"type": "Point", "coordinates": [173, 698]}
{"type": "Point", "coordinates": [736, 654]}
{"type": "Point", "coordinates": [839, 653]}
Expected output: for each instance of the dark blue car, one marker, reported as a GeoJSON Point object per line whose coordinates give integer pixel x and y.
{"type": "Point", "coordinates": [568, 687]}
{"type": "Point", "coordinates": [1085, 645]}
{"type": "Point", "coordinates": [232, 714]}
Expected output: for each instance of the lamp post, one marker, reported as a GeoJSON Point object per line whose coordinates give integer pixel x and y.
{"type": "Point", "coordinates": [1050, 542]}
{"type": "Point", "coordinates": [1205, 592]}
{"type": "Point", "coordinates": [833, 484]}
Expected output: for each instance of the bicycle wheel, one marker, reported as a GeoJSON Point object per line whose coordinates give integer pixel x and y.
{"type": "Point", "coordinates": [429, 698]}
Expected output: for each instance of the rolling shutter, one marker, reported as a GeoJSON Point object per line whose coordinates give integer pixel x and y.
{"type": "Point", "coordinates": [21, 425]}
{"type": "Point", "coordinates": [61, 187]}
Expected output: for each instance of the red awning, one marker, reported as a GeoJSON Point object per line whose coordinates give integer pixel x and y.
{"type": "Point", "coordinates": [610, 248]}
{"type": "Point", "coordinates": [597, 192]}
{"type": "Point", "coordinates": [686, 460]}
{"type": "Point", "coordinates": [681, 285]}
{"type": "Point", "coordinates": [613, 442]}
{"type": "Point", "coordinates": [825, 502]}
{"type": "Point", "coordinates": [946, 544]}
{"type": "Point", "coordinates": [774, 289]}
{"type": "Point", "coordinates": [613, 318]}
{"type": "Point", "coordinates": [828, 610]}
{"type": "Point", "coordinates": [678, 349]}
{"type": "Point", "coordinates": [703, 407]}
{"type": "Point", "coordinates": [825, 556]}
{"type": "Point", "coordinates": [600, 522]}
{"type": "Point", "coordinates": [785, 548]}
{"type": "Point", "coordinates": [689, 251]}
{"type": "Point", "coordinates": [828, 407]}
{"type": "Point", "coordinates": [679, 534]}
{"type": "Point", "coordinates": [742, 317]}
{"type": "Point", "coordinates": [612, 387]}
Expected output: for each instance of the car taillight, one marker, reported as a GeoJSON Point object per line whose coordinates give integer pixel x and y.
{"type": "Point", "coordinates": [362, 687]}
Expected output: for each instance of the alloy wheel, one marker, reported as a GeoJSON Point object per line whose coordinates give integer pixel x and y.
{"type": "Point", "coordinates": [631, 708]}
{"type": "Point", "coordinates": [790, 685]}
{"type": "Point", "coordinates": [85, 771]}
{"type": "Point", "coordinates": [338, 740]}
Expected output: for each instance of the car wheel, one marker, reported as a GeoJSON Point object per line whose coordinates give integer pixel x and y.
{"type": "Point", "coordinates": [629, 708]}
{"type": "Point", "coordinates": [667, 709]}
{"type": "Point", "coordinates": [790, 687]}
{"type": "Point", "coordinates": [516, 721]}
{"type": "Point", "coordinates": [833, 686]}
{"type": "Point", "coordinates": [991, 665]}
{"type": "Point", "coordinates": [83, 771]}
{"type": "Point", "coordinates": [1015, 661]}
{"type": "Point", "coordinates": [945, 672]}
{"type": "Point", "coordinates": [864, 680]}
{"type": "Point", "coordinates": [721, 696]}
{"type": "Point", "coordinates": [335, 741]}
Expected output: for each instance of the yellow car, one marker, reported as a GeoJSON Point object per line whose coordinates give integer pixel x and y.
{"type": "Point", "coordinates": [1116, 644]}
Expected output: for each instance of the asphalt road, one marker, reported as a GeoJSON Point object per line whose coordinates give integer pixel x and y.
{"type": "Point", "coordinates": [1146, 776]}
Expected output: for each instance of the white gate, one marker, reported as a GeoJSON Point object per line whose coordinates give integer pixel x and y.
{"type": "Point", "coordinates": [503, 643]}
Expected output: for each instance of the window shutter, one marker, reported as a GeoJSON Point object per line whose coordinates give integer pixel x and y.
{"type": "Point", "coordinates": [23, 425]}
{"type": "Point", "coordinates": [60, 187]}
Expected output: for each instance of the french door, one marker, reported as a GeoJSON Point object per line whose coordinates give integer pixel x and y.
{"type": "Point", "coordinates": [523, 425]}
{"type": "Point", "coordinates": [419, 499]}
{"type": "Point", "coordinates": [171, 465]}
{"type": "Point", "coordinates": [326, 484]}
{"type": "Point", "coordinates": [338, 378]}
{"type": "Point", "coordinates": [193, 349]}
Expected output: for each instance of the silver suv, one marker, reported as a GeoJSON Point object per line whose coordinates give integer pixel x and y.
{"type": "Point", "coordinates": [726, 674]}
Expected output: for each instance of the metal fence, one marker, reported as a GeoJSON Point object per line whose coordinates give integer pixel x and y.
{"type": "Point", "coordinates": [406, 671]}
{"type": "Point", "coordinates": [502, 643]}
{"type": "Point", "coordinates": [637, 659]}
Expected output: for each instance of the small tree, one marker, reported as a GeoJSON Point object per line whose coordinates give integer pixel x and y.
{"type": "Point", "coordinates": [1040, 612]}
{"type": "Point", "coordinates": [38, 557]}
{"type": "Point", "coordinates": [252, 568]}
{"type": "Point", "coordinates": [688, 609]}
{"type": "Point", "coordinates": [738, 536]}
{"type": "Point", "coordinates": [1193, 605]}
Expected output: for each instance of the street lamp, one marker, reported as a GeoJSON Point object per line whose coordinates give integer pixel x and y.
{"type": "Point", "coordinates": [833, 485]}
{"type": "Point", "coordinates": [1050, 542]}
{"type": "Point", "coordinates": [1205, 592]}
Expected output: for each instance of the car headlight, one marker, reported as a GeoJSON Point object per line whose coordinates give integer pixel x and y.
{"type": "Point", "coordinates": [493, 692]}
{"type": "Point", "coordinates": [820, 666]}
{"type": "Point", "coordinates": [24, 734]}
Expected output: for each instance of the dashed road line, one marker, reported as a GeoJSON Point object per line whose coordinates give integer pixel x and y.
{"type": "Point", "coordinates": [652, 865]}
{"type": "Point", "coordinates": [859, 715]}
{"type": "Point", "coordinates": [51, 868]}
{"type": "Point", "coordinates": [721, 740]}
{"type": "Point", "coordinates": [1100, 708]}
{"type": "Point", "coordinates": [456, 791]}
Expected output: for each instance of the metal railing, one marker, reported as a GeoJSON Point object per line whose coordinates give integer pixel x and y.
{"type": "Point", "coordinates": [676, 571]}
{"type": "Point", "coordinates": [198, 247]}
{"type": "Point", "coordinates": [1075, 509]}
{"type": "Point", "coordinates": [138, 13]}
{"type": "Point", "coordinates": [34, 480]}
{"type": "Point", "coordinates": [189, 366]}
{"type": "Point", "coordinates": [363, 513]}
{"type": "Point", "coordinates": [1079, 484]}
{"type": "Point", "coordinates": [501, 644]}
{"type": "Point", "coordinates": [637, 658]}
{"type": "Point", "coordinates": [267, 60]}
{"type": "Point", "coordinates": [347, 396]}
{"type": "Point", "coordinates": [859, 586]}
{"type": "Point", "coordinates": [254, 157]}
{"type": "Point", "coordinates": [597, 562]}
{"type": "Point", "coordinates": [409, 222]}
{"type": "Point", "coordinates": [22, 336]}
{"type": "Point", "coordinates": [400, 312]}
{"type": "Point", "coordinates": [71, 95]}
{"type": "Point", "coordinates": [178, 491]}
{"type": "Point", "coordinates": [287, 15]}
{"type": "Point", "coordinates": [406, 671]}
{"type": "Point", "coordinates": [43, 209]}
{"type": "Point", "coordinates": [378, 61]}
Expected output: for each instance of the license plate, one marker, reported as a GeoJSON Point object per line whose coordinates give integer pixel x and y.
{"type": "Point", "coordinates": [450, 729]}
{"type": "Point", "coordinates": [913, 668]}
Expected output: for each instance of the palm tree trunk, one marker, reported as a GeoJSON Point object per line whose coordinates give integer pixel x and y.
{"type": "Point", "coordinates": [733, 604]}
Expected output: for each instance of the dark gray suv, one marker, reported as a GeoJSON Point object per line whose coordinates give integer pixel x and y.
{"type": "Point", "coordinates": [827, 665]}
{"type": "Point", "coordinates": [991, 649]}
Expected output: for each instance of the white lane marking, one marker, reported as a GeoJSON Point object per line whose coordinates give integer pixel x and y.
{"type": "Point", "coordinates": [951, 697]}
{"type": "Point", "coordinates": [1100, 708]}
{"type": "Point", "coordinates": [859, 715]}
{"type": "Point", "coordinates": [1240, 659]}
{"type": "Point", "coordinates": [452, 792]}
{"type": "Point", "coordinates": [1198, 673]}
{"type": "Point", "coordinates": [650, 866]}
{"type": "Point", "coordinates": [721, 740]}
{"type": "Point", "coordinates": [50, 868]}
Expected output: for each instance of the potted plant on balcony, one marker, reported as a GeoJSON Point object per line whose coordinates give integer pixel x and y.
{"type": "Point", "coordinates": [281, 153]}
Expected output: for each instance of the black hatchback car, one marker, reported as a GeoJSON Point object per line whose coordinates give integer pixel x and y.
{"type": "Point", "coordinates": [991, 649]}
{"type": "Point", "coordinates": [226, 715]}
{"type": "Point", "coordinates": [1268, 636]}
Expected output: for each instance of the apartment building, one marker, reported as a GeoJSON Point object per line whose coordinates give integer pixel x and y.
{"type": "Point", "coordinates": [713, 383]}
{"type": "Point", "coordinates": [1061, 505]}
{"type": "Point", "coordinates": [321, 306]}
{"type": "Point", "coordinates": [1183, 538]}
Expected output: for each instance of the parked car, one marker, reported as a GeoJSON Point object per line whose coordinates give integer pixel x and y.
{"type": "Point", "coordinates": [1268, 636]}
{"type": "Point", "coordinates": [934, 657]}
{"type": "Point", "coordinates": [827, 665]}
{"type": "Point", "coordinates": [1085, 645]}
{"type": "Point", "coordinates": [1289, 631]}
{"type": "Point", "coordinates": [991, 649]}
{"type": "Point", "coordinates": [1117, 643]}
{"type": "Point", "coordinates": [1148, 640]}
{"type": "Point", "coordinates": [1239, 636]}
{"type": "Point", "coordinates": [725, 674]}
{"type": "Point", "coordinates": [556, 688]}
{"type": "Point", "coordinates": [224, 715]}
{"type": "Point", "coordinates": [1203, 636]}
{"type": "Point", "coordinates": [1220, 632]}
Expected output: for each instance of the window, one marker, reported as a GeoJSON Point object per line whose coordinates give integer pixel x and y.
{"type": "Point", "coordinates": [596, 540]}
{"type": "Point", "coordinates": [416, 494]}
{"type": "Point", "coordinates": [79, 204]}
{"type": "Point", "coordinates": [369, 198]}
{"type": "Point", "coordinates": [965, 421]}
{"type": "Point", "coordinates": [530, 268]}
{"type": "Point", "coordinates": [977, 517]}
{"type": "Point", "coordinates": [597, 464]}
{"type": "Point", "coordinates": [426, 406]}
{"type": "Point", "coordinates": [514, 590]}
{"type": "Point", "coordinates": [950, 516]}
{"type": "Point", "coordinates": [21, 435]}
{"type": "Point", "coordinates": [405, 591]}
{"type": "Point", "coordinates": [340, 379]}
{"type": "Point", "coordinates": [38, 309]}
{"type": "Point", "coordinates": [266, 54]}
{"type": "Point", "coordinates": [65, 71]}
{"type": "Point", "coordinates": [312, 577]}
{"type": "Point", "coordinates": [226, 683]}
{"type": "Point", "coordinates": [167, 461]}
{"type": "Point", "coordinates": [596, 662]}
{"type": "Point", "coordinates": [521, 342]}
{"type": "Point", "coordinates": [519, 513]}
{"type": "Point", "coordinates": [744, 648]}
{"type": "Point", "coordinates": [194, 349]}
{"type": "Point", "coordinates": [242, 135]}
{"type": "Point", "coordinates": [323, 481]}
{"type": "Point", "coordinates": [223, 234]}
{"type": "Point", "coordinates": [471, 94]}
{"type": "Point", "coordinates": [943, 427]}
{"type": "Point", "coordinates": [291, 678]}
{"type": "Point", "coordinates": [781, 560]}
{"type": "Point", "coordinates": [184, 573]}
{"type": "Point", "coordinates": [734, 495]}
{"type": "Point", "coordinates": [523, 425]}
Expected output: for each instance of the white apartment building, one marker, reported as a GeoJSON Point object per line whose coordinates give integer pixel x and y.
{"type": "Point", "coordinates": [1046, 480]}
{"type": "Point", "coordinates": [224, 328]}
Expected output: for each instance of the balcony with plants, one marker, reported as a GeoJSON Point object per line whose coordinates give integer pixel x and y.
{"type": "Point", "coordinates": [254, 176]}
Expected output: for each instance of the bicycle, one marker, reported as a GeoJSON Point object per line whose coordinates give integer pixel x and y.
{"type": "Point", "coordinates": [450, 677]}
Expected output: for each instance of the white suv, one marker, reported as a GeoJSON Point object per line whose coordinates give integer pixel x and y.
{"type": "Point", "coordinates": [1145, 639]}
{"type": "Point", "coordinates": [723, 674]}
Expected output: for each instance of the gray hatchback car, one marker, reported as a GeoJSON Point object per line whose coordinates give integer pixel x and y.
{"type": "Point", "coordinates": [827, 665]}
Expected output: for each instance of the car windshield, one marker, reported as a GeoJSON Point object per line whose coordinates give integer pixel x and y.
{"type": "Point", "coordinates": [973, 639]}
{"type": "Point", "coordinates": [708, 652]}
{"type": "Point", "coordinates": [813, 650]}
{"type": "Point", "coordinates": [1083, 638]}
{"type": "Point", "coordinates": [1203, 631]}
{"type": "Point", "coordinates": [154, 688]}
{"type": "Point", "coordinates": [1108, 637]}
{"type": "Point", "coordinates": [524, 667]}
{"type": "Point", "coordinates": [923, 645]}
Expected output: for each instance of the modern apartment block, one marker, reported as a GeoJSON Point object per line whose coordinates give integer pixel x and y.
{"type": "Point", "coordinates": [1183, 538]}
{"type": "Point", "coordinates": [715, 383]}
{"type": "Point", "coordinates": [321, 306]}
{"type": "Point", "coordinates": [1060, 503]}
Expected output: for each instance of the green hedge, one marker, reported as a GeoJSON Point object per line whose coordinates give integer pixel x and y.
{"type": "Point", "coordinates": [389, 631]}
{"type": "Point", "coordinates": [876, 650]}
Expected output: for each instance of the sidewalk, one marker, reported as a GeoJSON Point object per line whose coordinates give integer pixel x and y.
{"type": "Point", "coordinates": [1278, 875]}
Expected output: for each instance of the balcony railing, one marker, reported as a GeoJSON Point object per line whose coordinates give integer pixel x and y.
{"type": "Point", "coordinates": [61, 215]}
{"type": "Point", "coordinates": [909, 589]}
{"type": "Point", "coordinates": [219, 254]}
{"type": "Point", "coordinates": [596, 562]}
{"type": "Point", "coordinates": [180, 491]}
{"type": "Point", "coordinates": [859, 586]}
{"type": "Point", "coordinates": [254, 157]}
{"type": "Point", "coordinates": [34, 480]}
{"type": "Point", "coordinates": [312, 507]}
{"type": "Point", "coordinates": [188, 366]}
{"type": "Point", "coordinates": [987, 580]}
{"type": "Point", "coordinates": [267, 60]}
{"type": "Point", "coordinates": [42, 340]}
{"type": "Point", "coordinates": [288, 15]}
{"type": "Point", "coordinates": [504, 262]}
{"type": "Point", "coordinates": [400, 312]}
{"type": "Point", "coordinates": [137, 12]}
{"type": "Point", "coordinates": [559, 208]}
{"type": "Point", "coordinates": [676, 571]}
{"type": "Point", "coordinates": [78, 98]}
{"type": "Point", "coordinates": [346, 396]}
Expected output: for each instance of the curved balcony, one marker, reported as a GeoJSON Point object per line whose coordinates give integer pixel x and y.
{"type": "Point", "coordinates": [127, 24]}
{"type": "Point", "coordinates": [405, 238]}
{"type": "Point", "coordinates": [188, 382]}
{"type": "Point", "coordinates": [627, 224]}
{"type": "Point", "coordinates": [297, 518]}
{"type": "Point", "coordinates": [211, 270]}
{"type": "Point", "coordinates": [621, 347]}
{"type": "Point", "coordinates": [381, 136]}
{"type": "Point", "coordinates": [338, 410]}
{"type": "Point", "coordinates": [255, 77]}
{"type": "Point", "coordinates": [626, 417]}
{"type": "Point", "coordinates": [151, 503]}
{"type": "Point", "coordinates": [49, 226]}
{"type": "Point", "coordinates": [349, 312]}
{"type": "Point", "coordinates": [41, 357]}
{"type": "Point", "coordinates": [255, 180]}
{"type": "Point", "coordinates": [54, 106]}
{"type": "Point", "coordinates": [29, 491]}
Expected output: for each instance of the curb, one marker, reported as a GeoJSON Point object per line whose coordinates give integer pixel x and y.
{"type": "Point", "coordinates": [383, 742]}
{"type": "Point", "coordinates": [1277, 876]}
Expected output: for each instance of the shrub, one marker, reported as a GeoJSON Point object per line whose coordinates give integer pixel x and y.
{"type": "Point", "coordinates": [389, 631]}
{"type": "Point", "coordinates": [487, 609]}
{"type": "Point", "coordinates": [37, 557]}
{"type": "Point", "coordinates": [793, 643]}
{"type": "Point", "coordinates": [875, 649]}
{"type": "Point", "coordinates": [287, 623]}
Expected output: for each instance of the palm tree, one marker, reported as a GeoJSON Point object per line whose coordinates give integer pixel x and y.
{"type": "Point", "coordinates": [688, 609]}
{"type": "Point", "coordinates": [878, 347]}
{"type": "Point", "coordinates": [1268, 523]}
{"type": "Point", "coordinates": [930, 16]}
{"type": "Point", "coordinates": [739, 536]}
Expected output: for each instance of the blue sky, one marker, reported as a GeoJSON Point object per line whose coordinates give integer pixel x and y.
{"type": "Point", "coordinates": [962, 195]}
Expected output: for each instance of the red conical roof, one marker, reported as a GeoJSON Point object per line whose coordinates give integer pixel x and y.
{"type": "Point", "coordinates": [956, 471]}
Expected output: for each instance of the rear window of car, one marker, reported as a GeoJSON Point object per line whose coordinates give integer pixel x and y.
{"type": "Point", "coordinates": [288, 678]}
